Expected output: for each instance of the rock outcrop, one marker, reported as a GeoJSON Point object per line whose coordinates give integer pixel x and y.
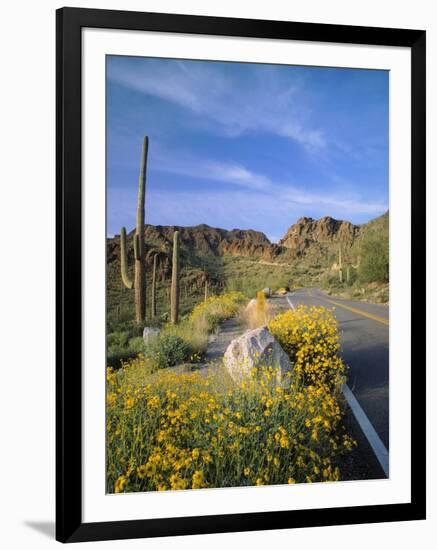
{"type": "Point", "coordinates": [311, 237]}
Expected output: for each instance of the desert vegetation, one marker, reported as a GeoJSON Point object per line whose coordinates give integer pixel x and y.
{"type": "Point", "coordinates": [168, 431]}
{"type": "Point", "coordinates": [366, 273]}
{"type": "Point", "coordinates": [361, 274]}
{"type": "Point", "coordinates": [176, 343]}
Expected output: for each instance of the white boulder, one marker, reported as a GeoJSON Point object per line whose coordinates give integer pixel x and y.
{"type": "Point", "coordinates": [149, 333]}
{"type": "Point", "coordinates": [256, 348]}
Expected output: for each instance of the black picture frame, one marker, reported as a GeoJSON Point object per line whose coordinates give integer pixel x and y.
{"type": "Point", "coordinates": [69, 525]}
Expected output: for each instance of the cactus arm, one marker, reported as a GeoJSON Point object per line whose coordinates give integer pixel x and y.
{"type": "Point", "coordinates": [174, 294]}
{"type": "Point", "coordinates": [128, 283]}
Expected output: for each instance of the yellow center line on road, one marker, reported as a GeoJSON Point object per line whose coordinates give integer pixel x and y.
{"type": "Point", "coordinates": [358, 311]}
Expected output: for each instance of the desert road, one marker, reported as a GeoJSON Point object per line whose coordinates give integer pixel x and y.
{"type": "Point", "coordinates": [364, 331]}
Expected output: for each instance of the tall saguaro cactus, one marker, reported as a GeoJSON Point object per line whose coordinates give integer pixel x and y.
{"type": "Point", "coordinates": [340, 265]}
{"type": "Point", "coordinates": [206, 289]}
{"type": "Point", "coordinates": [155, 260]}
{"type": "Point", "coordinates": [139, 283]}
{"type": "Point", "coordinates": [174, 296]}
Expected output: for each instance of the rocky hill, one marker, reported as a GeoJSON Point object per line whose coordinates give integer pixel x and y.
{"type": "Point", "coordinates": [308, 238]}
{"type": "Point", "coordinates": [208, 240]}
{"type": "Point", "coordinates": [199, 243]}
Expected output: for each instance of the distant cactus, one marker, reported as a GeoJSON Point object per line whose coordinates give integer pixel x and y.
{"type": "Point", "coordinates": [206, 289]}
{"type": "Point", "coordinates": [139, 283]}
{"type": "Point", "coordinates": [155, 259]}
{"type": "Point", "coordinates": [174, 309]}
{"type": "Point", "coordinates": [340, 266]}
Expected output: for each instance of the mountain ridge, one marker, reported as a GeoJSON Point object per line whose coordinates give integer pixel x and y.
{"type": "Point", "coordinates": [237, 259]}
{"type": "Point", "coordinates": [307, 238]}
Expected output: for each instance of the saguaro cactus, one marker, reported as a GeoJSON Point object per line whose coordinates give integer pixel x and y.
{"type": "Point", "coordinates": [174, 313]}
{"type": "Point", "coordinates": [139, 283]}
{"type": "Point", "coordinates": [340, 266]}
{"type": "Point", "coordinates": [206, 289]}
{"type": "Point", "coordinates": [155, 260]}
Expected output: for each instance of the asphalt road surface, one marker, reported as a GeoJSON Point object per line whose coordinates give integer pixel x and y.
{"type": "Point", "coordinates": [364, 330]}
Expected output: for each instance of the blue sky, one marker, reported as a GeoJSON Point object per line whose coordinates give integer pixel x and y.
{"type": "Point", "coordinates": [238, 145]}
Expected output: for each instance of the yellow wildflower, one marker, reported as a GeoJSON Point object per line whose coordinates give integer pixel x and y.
{"type": "Point", "coordinates": [120, 484]}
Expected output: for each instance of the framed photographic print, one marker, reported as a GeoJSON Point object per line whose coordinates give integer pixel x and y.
{"type": "Point", "coordinates": [240, 259]}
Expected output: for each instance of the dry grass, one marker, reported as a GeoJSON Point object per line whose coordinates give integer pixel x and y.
{"type": "Point", "coordinates": [258, 313]}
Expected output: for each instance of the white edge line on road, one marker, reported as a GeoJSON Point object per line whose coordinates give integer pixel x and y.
{"type": "Point", "coordinates": [369, 431]}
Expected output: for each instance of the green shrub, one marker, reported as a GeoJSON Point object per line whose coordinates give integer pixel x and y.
{"type": "Point", "coordinates": [332, 282]}
{"type": "Point", "coordinates": [353, 275]}
{"type": "Point", "coordinates": [122, 347]}
{"type": "Point", "coordinates": [374, 265]}
{"type": "Point", "coordinates": [195, 336]}
{"type": "Point", "coordinates": [385, 296]}
{"type": "Point", "coordinates": [168, 350]}
{"type": "Point", "coordinates": [117, 340]}
{"type": "Point", "coordinates": [136, 344]}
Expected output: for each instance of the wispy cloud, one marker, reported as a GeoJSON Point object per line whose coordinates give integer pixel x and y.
{"type": "Point", "coordinates": [267, 210]}
{"type": "Point", "coordinates": [207, 169]}
{"type": "Point", "coordinates": [348, 205]}
{"type": "Point", "coordinates": [285, 193]}
{"type": "Point", "coordinates": [270, 215]}
{"type": "Point", "coordinates": [225, 103]}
